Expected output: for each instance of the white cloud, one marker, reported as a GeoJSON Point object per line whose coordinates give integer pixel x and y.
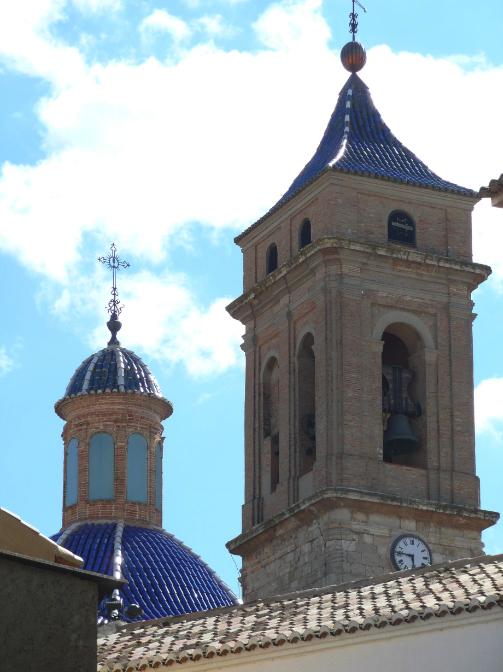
{"type": "Point", "coordinates": [136, 152]}
{"type": "Point", "coordinates": [97, 6]}
{"type": "Point", "coordinates": [7, 361]}
{"type": "Point", "coordinates": [214, 25]}
{"type": "Point", "coordinates": [489, 406]}
{"type": "Point", "coordinates": [161, 21]}
{"type": "Point", "coordinates": [293, 25]}
{"type": "Point", "coordinates": [163, 318]}
{"type": "Point", "coordinates": [27, 45]}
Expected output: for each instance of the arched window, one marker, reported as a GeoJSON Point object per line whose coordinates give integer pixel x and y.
{"type": "Point", "coordinates": [137, 473]}
{"type": "Point", "coordinates": [271, 259]}
{"type": "Point", "coordinates": [306, 393]}
{"type": "Point", "coordinates": [305, 234]}
{"type": "Point", "coordinates": [401, 228]}
{"type": "Point", "coordinates": [270, 419]}
{"type": "Point", "coordinates": [158, 476]}
{"type": "Point", "coordinates": [101, 466]}
{"type": "Point", "coordinates": [402, 391]}
{"type": "Point", "coordinates": [72, 472]}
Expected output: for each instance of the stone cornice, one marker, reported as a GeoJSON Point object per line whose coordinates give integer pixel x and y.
{"type": "Point", "coordinates": [311, 507]}
{"type": "Point", "coordinates": [478, 272]}
{"type": "Point", "coordinates": [71, 406]}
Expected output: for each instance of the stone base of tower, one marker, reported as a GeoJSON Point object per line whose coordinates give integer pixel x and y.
{"type": "Point", "coordinates": [341, 535]}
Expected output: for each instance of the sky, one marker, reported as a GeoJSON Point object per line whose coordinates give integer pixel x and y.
{"type": "Point", "coordinates": [168, 128]}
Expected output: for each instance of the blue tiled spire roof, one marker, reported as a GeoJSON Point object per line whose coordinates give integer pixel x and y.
{"type": "Point", "coordinates": [358, 141]}
{"type": "Point", "coordinates": [113, 369]}
{"type": "Point", "coordinates": [164, 576]}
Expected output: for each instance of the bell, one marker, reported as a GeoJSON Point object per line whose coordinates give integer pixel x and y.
{"type": "Point", "coordinates": [399, 438]}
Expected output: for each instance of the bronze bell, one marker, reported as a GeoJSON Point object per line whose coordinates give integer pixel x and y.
{"type": "Point", "coordinates": [399, 437]}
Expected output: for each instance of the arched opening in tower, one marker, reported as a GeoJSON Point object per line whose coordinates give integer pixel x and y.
{"type": "Point", "coordinates": [270, 421]}
{"type": "Point", "coordinates": [306, 399]}
{"type": "Point", "coordinates": [403, 395]}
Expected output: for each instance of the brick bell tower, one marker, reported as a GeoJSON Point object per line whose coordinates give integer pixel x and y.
{"type": "Point", "coordinates": [359, 429]}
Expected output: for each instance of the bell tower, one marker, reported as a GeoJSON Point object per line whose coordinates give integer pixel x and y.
{"type": "Point", "coordinates": [359, 430]}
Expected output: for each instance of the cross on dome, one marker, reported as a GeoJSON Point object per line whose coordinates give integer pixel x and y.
{"type": "Point", "coordinates": [114, 263]}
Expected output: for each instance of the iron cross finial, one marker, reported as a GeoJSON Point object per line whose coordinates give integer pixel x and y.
{"type": "Point", "coordinates": [353, 19]}
{"type": "Point", "coordinates": [113, 263]}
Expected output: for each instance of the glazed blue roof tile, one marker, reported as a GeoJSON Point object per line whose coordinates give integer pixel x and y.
{"type": "Point", "coordinates": [113, 369]}
{"type": "Point", "coordinates": [358, 141]}
{"type": "Point", "coordinates": [164, 576]}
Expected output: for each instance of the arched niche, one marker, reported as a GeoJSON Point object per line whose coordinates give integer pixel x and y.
{"type": "Point", "coordinates": [101, 466]}
{"type": "Point", "coordinates": [401, 317]}
{"type": "Point", "coordinates": [271, 258]}
{"type": "Point", "coordinates": [137, 469]}
{"type": "Point", "coordinates": [270, 418]}
{"type": "Point", "coordinates": [305, 235]}
{"type": "Point", "coordinates": [401, 228]}
{"type": "Point", "coordinates": [71, 472]}
{"type": "Point", "coordinates": [306, 403]}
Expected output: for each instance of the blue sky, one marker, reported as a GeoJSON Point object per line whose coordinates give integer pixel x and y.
{"type": "Point", "coordinates": [168, 127]}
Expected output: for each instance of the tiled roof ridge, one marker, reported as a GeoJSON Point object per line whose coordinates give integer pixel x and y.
{"type": "Point", "coordinates": [462, 586]}
{"type": "Point", "coordinates": [358, 141]}
{"type": "Point", "coordinates": [315, 592]}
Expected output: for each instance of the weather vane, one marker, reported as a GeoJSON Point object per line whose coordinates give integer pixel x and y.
{"type": "Point", "coordinates": [353, 54]}
{"type": "Point", "coordinates": [113, 263]}
{"type": "Point", "coordinates": [353, 19]}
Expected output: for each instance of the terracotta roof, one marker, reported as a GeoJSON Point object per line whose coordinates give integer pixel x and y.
{"type": "Point", "coordinates": [494, 187]}
{"type": "Point", "coordinates": [339, 611]}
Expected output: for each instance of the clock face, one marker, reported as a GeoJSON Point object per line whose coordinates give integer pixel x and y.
{"type": "Point", "coordinates": [409, 552]}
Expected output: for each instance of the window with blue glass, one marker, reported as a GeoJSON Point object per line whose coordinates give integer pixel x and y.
{"type": "Point", "coordinates": [101, 466]}
{"type": "Point", "coordinates": [158, 476]}
{"type": "Point", "coordinates": [72, 472]}
{"type": "Point", "coordinates": [137, 469]}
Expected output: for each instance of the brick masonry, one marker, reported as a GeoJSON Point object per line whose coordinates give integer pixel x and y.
{"type": "Point", "coordinates": [119, 414]}
{"type": "Point", "coordinates": [343, 535]}
{"type": "Point", "coordinates": [346, 289]}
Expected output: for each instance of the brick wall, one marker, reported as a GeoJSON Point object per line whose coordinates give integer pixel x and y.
{"type": "Point", "coordinates": [119, 414]}
{"type": "Point", "coordinates": [346, 289]}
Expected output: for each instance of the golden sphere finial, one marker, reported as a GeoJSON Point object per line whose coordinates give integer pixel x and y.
{"type": "Point", "coordinates": [353, 56]}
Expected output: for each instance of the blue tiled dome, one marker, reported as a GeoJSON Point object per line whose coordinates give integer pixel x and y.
{"type": "Point", "coordinates": [113, 369]}
{"type": "Point", "coordinates": [164, 576]}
